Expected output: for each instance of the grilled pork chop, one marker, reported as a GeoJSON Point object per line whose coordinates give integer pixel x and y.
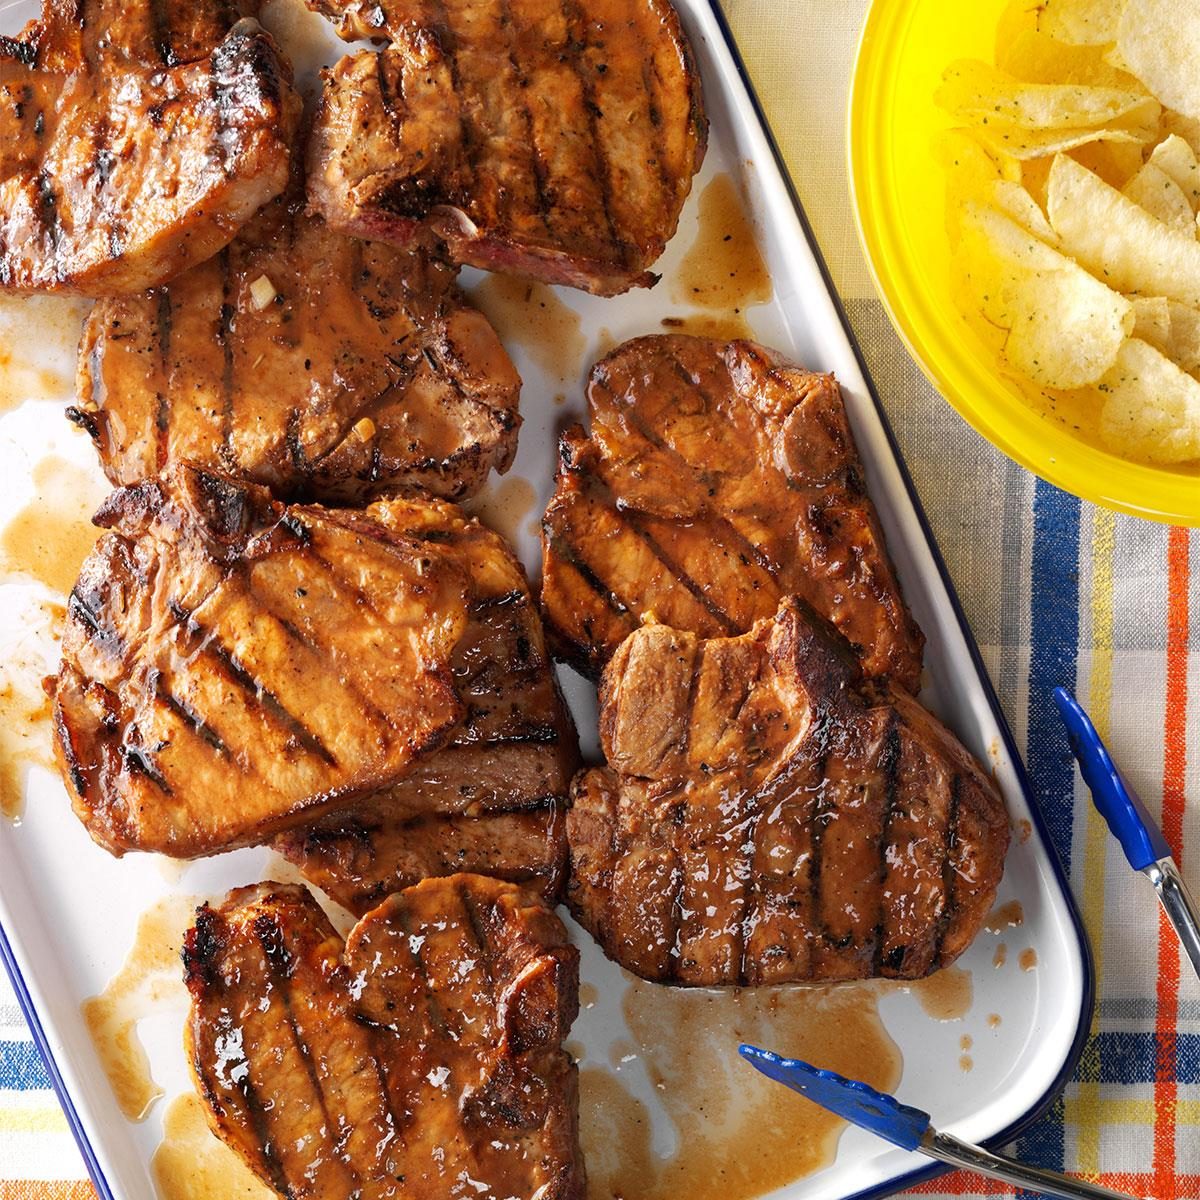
{"type": "Point", "coordinates": [421, 1060]}
{"type": "Point", "coordinates": [541, 138]}
{"type": "Point", "coordinates": [767, 816]}
{"type": "Point", "coordinates": [135, 140]}
{"type": "Point", "coordinates": [315, 364]}
{"type": "Point", "coordinates": [492, 800]}
{"type": "Point", "coordinates": [717, 480]}
{"type": "Point", "coordinates": [232, 666]}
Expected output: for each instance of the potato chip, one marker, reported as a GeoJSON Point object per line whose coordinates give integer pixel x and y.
{"type": "Point", "coordinates": [971, 174]}
{"type": "Point", "coordinates": [974, 91]}
{"type": "Point", "coordinates": [1014, 201]}
{"type": "Point", "coordinates": [1151, 408]}
{"type": "Point", "coordinates": [1152, 320]}
{"type": "Point", "coordinates": [1159, 40]}
{"type": "Point", "coordinates": [1178, 160]}
{"type": "Point", "coordinates": [1161, 197]}
{"type": "Point", "coordinates": [1117, 239]}
{"type": "Point", "coordinates": [1022, 144]}
{"type": "Point", "coordinates": [1036, 58]}
{"type": "Point", "coordinates": [1187, 128]}
{"type": "Point", "coordinates": [1183, 346]}
{"type": "Point", "coordinates": [1082, 22]}
{"type": "Point", "coordinates": [1065, 328]}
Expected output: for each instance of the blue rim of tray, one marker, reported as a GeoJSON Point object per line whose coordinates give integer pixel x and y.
{"type": "Point", "coordinates": [25, 1001]}
{"type": "Point", "coordinates": [1088, 991]}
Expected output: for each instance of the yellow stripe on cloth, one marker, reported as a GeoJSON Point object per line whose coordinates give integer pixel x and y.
{"type": "Point", "coordinates": [1114, 1111]}
{"type": "Point", "coordinates": [31, 1119]}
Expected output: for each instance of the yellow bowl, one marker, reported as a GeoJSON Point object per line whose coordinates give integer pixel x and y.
{"type": "Point", "coordinates": [898, 189]}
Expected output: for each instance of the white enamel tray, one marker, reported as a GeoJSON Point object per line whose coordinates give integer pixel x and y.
{"type": "Point", "coordinates": [69, 911]}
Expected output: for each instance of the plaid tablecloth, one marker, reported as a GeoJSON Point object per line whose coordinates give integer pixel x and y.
{"type": "Point", "coordinates": [1056, 592]}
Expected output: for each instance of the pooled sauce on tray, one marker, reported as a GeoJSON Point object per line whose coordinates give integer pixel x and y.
{"type": "Point", "coordinates": [150, 979]}
{"type": "Point", "coordinates": [531, 316]}
{"type": "Point", "coordinates": [52, 324]}
{"type": "Point", "coordinates": [52, 534]}
{"type": "Point", "coordinates": [737, 1134]}
{"type": "Point", "coordinates": [723, 268]}
{"type": "Point", "coordinates": [1007, 916]}
{"type": "Point", "coordinates": [191, 1163]}
{"type": "Point", "coordinates": [504, 504]}
{"type": "Point", "coordinates": [946, 995]}
{"type": "Point", "coordinates": [723, 326]}
{"type": "Point", "coordinates": [25, 708]}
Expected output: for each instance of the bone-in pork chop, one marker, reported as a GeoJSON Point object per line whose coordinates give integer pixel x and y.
{"type": "Point", "coordinates": [542, 138]}
{"type": "Point", "coordinates": [493, 799]}
{"type": "Point", "coordinates": [717, 480]}
{"type": "Point", "coordinates": [315, 364]}
{"type": "Point", "coordinates": [232, 666]}
{"type": "Point", "coordinates": [135, 140]}
{"type": "Point", "coordinates": [422, 1060]}
{"type": "Point", "coordinates": [767, 816]}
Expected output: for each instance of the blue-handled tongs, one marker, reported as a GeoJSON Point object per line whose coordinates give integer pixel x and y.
{"type": "Point", "coordinates": [1140, 837]}
{"type": "Point", "coordinates": [911, 1129]}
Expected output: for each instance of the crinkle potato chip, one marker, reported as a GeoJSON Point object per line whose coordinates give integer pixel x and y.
{"type": "Point", "coordinates": [1083, 22]}
{"type": "Point", "coordinates": [1152, 320]}
{"type": "Point", "coordinates": [1151, 408]}
{"type": "Point", "coordinates": [1178, 160]}
{"type": "Point", "coordinates": [1159, 41]}
{"type": "Point", "coordinates": [1036, 58]}
{"type": "Point", "coordinates": [979, 93]}
{"type": "Point", "coordinates": [1065, 328]}
{"type": "Point", "coordinates": [1187, 128]}
{"type": "Point", "coordinates": [1117, 239]}
{"type": "Point", "coordinates": [1161, 197]}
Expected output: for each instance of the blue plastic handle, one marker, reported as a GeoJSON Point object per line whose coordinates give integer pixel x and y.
{"type": "Point", "coordinates": [1117, 803]}
{"type": "Point", "coordinates": [858, 1103]}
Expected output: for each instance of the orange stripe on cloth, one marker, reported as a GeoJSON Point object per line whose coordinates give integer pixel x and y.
{"type": "Point", "coordinates": [1166, 1184]}
{"type": "Point", "coordinates": [959, 1183]}
{"type": "Point", "coordinates": [40, 1189]}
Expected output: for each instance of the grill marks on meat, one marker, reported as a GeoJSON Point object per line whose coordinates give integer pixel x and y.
{"type": "Point", "coordinates": [135, 141]}
{"type": "Point", "coordinates": [492, 800]}
{"type": "Point", "coordinates": [717, 480]}
{"type": "Point", "coordinates": [541, 138]}
{"type": "Point", "coordinates": [423, 1059]}
{"type": "Point", "coordinates": [366, 371]}
{"type": "Point", "coordinates": [768, 816]}
{"type": "Point", "coordinates": [232, 667]}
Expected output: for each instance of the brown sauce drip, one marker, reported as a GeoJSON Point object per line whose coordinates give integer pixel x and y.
{"type": "Point", "coordinates": [25, 708]}
{"type": "Point", "coordinates": [150, 980]}
{"type": "Point", "coordinates": [1007, 916]}
{"type": "Point", "coordinates": [1028, 960]}
{"type": "Point", "coordinates": [723, 268]}
{"type": "Point", "coordinates": [1024, 829]}
{"type": "Point", "coordinates": [946, 995]}
{"type": "Point", "coordinates": [589, 993]}
{"type": "Point", "coordinates": [534, 318]}
{"type": "Point", "coordinates": [50, 537]}
{"type": "Point", "coordinates": [191, 1163]}
{"type": "Point", "coordinates": [994, 1020]}
{"type": "Point", "coordinates": [1001, 956]}
{"type": "Point", "coordinates": [503, 505]}
{"type": "Point", "coordinates": [738, 1135]}
{"type": "Point", "coordinates": [966, 1062]}
{"type": "Point", "coordinates": [966, 1042]}
{"type": "Point", "coordinates": [52, 324]}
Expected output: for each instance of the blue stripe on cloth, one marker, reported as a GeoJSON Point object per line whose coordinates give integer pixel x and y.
{"type": "Point", "coordinates": [1054, 653]}
{"type": "Point", "coordinates": [21, 1067]}
{"type": "Point", "coordinates": [1133, 1057]}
